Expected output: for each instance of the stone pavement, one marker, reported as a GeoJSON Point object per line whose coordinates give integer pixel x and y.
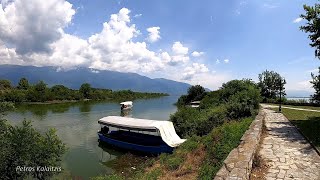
{"type": "Point", "coordinates": [286, 151]}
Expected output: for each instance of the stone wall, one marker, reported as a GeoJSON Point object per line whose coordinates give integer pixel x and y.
{"type": "Point", "coordinates": [238, 164]}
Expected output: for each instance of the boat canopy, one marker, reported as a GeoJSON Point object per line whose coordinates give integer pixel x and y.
{"type": "Point", "coordinates": [127, 103]}
{"type": "Point", "coordinates": [195, 102]}
{"type": "Point", "coordinates": [166, 128]}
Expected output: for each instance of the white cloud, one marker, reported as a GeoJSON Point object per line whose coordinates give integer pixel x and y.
{"type": "Point", "coordinates": [196, 68]}
{"type": "Point", "coordinates": [217, 61]}
{"type": "Point", "coordinates": [165, 57]}
{"type": "Point", "coordinates": [137, 15]}
{"type": "Point", "coordinates": [33, 27]}
{"type": "Point", "coordinates": [41, 41]}
{"type": "Point", "coordinates": [197, 54]}
{"type": "Point", "coordinates": [179, 49]}
{"type": "Point", "coordinates": [180, 54]}
{"type": "Point", "coordinates": [297, 20]}
{"type": "Point", "coordinates": [226, 61]}
{"type": "Point", "coordinates": [154, 34]}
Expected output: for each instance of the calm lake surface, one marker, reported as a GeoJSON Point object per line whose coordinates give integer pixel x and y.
{"type": "Point", "coordinates": [76, 125]}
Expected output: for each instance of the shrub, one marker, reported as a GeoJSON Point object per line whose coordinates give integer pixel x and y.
{"type": "Point", "coordinates": [219, 143]}
{"type": "Point", "coordinates": [243, 104]}
{"type": "Point", "coordinates": [191, 121]}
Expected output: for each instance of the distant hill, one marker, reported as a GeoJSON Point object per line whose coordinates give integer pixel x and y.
{"type": "Point", "coordinates": [101, 79]}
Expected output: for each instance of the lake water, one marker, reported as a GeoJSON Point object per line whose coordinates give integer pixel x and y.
{"type": "Point", "coordinates": [77, 127]}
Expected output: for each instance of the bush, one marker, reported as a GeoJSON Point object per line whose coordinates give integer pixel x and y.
{"type": "Point", "coordinates": [219, 143]}
{"type": "Point", "coordinates": [191, 121]}
{"type": "Point", "coordinates": [25, 147]}
{"type": "Point", "coordinates": [243, 103]}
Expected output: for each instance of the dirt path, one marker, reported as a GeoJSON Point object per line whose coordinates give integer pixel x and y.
{"type": "Point", "coordinates": [287, 153]}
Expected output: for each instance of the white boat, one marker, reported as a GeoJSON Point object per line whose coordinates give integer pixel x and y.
{"type": "Point", "coordinates": [195, 104]}
{"type": "Point", "coordinates": [144, 135]}
{"type": "Point", "coordinates": [126, 105]}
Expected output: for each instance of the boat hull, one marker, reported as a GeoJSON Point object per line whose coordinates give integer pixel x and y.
{"type": "Point", "coordinates": [163, 148]}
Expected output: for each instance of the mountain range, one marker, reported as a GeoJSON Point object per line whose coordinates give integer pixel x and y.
{"type": "Point", "coordinates": [98, 79]}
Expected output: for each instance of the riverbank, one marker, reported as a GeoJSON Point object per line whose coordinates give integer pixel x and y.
{"type": "Point", "coordinates": [76, 125]}
{"type": "Point", "coordinates": [212, 130]}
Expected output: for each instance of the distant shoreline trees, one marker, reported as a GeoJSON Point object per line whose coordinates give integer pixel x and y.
{"type": "Point", "coordinates": [40, 92]}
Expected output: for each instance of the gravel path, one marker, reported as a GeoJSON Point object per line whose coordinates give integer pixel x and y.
{"type": "Point", "coordinates": [286, 151]}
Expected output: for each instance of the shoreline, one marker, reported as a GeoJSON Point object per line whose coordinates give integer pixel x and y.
{"type": "Point", "coordinates": [82, 100]}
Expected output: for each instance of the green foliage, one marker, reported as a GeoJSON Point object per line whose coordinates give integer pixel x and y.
{"type": "Point", "coordinates": [152, 175]}
{"type": "Point", "coordinates": [5, 106]}
{"type": "Point", "coordinates": [234, 100]}
{"type": "Point", "coordinates": [23, 84]}
{"type": "Point", "coordinates": [316, 86]}
{"type": "Point", "coordinates": [191, 121]}
{"type": "Point", "coordinates": [85, 90]}
{"type": "Point", "coordinates": [190, 144]}
{"type": "Point", "coordinates": [24, 146]}
{"type": "Point", "coordinates": [243, 103]}
{"type": "Point", "coordinates": [219, 143]}
{"type": "Point", "coordinates": [212, 99]}
{"type": "Point", "coordinates": [41, 93]}
{"type": "Point", "coordinates": [5, 84]}
{"type": "Point", "coordinates": [313, 26]}
{"type": "Point", "coordinates": [270, 83]}
{"type": "Point", "coordinates": [195, 93]}
{"type": "Point", "coordinates": [109, 177]}
{"type": "Point", "coordinates": [171, 161]}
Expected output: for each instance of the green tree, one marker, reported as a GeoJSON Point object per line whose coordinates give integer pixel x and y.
{"type": "Point", "coordinates": [23, 84]}
{"type": "Point", "coordinates": [313, 26]}
{"type": "Point", "coordinates": [60, 92]}
{"type": "Point", "coordinates": [316, 85]}
{"type": "Point", "coordinates": [196, 93]}
{"type": "Point", "coordinates": [5, 84]}
{"type": "Point", "coordinates": [23, 146]}
{"type": "Point", "coordinates": [85, 90]}
{"type": "Point", "coordinates": [270, 83]}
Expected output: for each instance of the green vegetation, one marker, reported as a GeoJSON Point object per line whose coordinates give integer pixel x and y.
{"type": "Point", "coordinates": [40, 92]}
{"type": "Point", "coordinates": [195, 93]}
{"type": "Point", "coordinates": [308, 123]}
{"type": "Point", "coordinates": [312, 16]}
{"type": "Point", "coordinates": [219, 143]}
{"type": "Point", "coordinates": [234, 100]}
{"type": "Point", "coordinates": [212, 131]}
{"type": "Point", "coordinates": [313, 25]}
{"type": "Point", "coordinates": [316, 86]}
{"type": "Point", "coordinates": [23, 146]}
{"type": "Point", "coordinates": [270, 83]}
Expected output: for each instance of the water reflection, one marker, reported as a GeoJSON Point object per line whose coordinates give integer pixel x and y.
{"type": "Point", "coordinates": [77, 126]}
{"type": "Point", "coordinates": [126, 113]}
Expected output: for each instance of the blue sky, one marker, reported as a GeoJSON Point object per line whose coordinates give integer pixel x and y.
{"type": "Point", "coordinates": [237, 38]}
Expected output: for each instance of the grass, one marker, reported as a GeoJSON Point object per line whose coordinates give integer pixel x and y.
{"type": "Point", "coordinates": [307, 122]}
{"type": "Point", "coordinates": [219, 144]}
{"type": "Point", "coordinates": [302, 107]}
